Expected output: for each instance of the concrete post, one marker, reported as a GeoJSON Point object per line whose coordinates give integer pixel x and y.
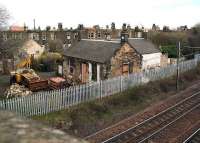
{"type": "Point", "coordinates": [98, 72]}
{"type": "Point", "coordinates": [90, 72]}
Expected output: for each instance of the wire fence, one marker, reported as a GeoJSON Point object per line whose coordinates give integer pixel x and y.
{"type": "Point", "coordinates": [45, 102]}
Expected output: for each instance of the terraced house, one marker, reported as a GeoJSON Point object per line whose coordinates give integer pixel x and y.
{"type": "Point", "coordinates": [67, 36]}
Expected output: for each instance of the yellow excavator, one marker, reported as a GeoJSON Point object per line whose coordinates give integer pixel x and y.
{"type": "Point", "coordinates": [23, 65]}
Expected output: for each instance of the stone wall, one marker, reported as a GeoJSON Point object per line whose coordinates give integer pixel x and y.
{"type": "Point", "coordinates": [76, 67]}
{"type": "Point", "coordinates": [15, 129]}
{"type": "Point", "coordinates": [126, 54]}
{"type": "Point", "coordinates": [164, 60]}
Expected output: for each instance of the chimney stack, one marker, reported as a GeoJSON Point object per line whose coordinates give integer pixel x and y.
{"type": "Point", "coordinates": [60, 27]}
{"type": "Point", "coordinates": [80, 27]}
{"type": "Point", "coordinates": [48, 28]}
{"type": "Point", "coordinates": [113, 26]}
{"type": "Point", "coordinates": [124, 34]}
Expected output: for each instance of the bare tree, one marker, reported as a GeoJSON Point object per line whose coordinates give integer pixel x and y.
{"type": "Point", "coordinates": [4, 16]}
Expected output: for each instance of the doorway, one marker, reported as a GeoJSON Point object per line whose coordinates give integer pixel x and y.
{"type": "Point", "coordinates": [85, 72]}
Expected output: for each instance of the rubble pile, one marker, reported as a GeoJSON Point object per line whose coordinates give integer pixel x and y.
{"type": "Point", "coordinates": [17, 90]}
{"type": "Point", "coordinates": [71, 80]}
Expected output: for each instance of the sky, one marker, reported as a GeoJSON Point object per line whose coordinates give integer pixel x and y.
{"type": "Point", "coordinates": [172, 13]}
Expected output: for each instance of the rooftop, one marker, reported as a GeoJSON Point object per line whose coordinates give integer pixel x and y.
{"type": "Point", "coordinates": [93, 50]}
{"type": "Point", "coordinates": [102, 50]}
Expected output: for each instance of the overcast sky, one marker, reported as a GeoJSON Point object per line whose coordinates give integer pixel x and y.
{"type": "Point", "coordinates": [90, 12]}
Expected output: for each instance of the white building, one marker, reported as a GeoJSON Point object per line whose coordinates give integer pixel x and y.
{"type": "Point", "coordinates": [151, 55]}
{"type": "Point", "coordinates": [31, 47]}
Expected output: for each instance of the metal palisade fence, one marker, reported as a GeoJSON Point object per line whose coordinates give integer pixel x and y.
{"type": "Point", "coordinates": [41, 103]}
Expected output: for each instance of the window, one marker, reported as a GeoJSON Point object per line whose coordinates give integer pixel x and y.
{"type": "Point", "coordinates": [99, 35]}
{"type": "Point", "coordinates": [52, 36]}
{"type": "Point", "coordinates": [89, 35]}
{"type": "Point", "coordinates": [69, 45]}
{"type": "Point", "coordinates": [94, 72]}
{"type": "Point", "coordinates": [127, 68]}
{"type": "Point", "coordinates": [71, 65]}
{"type": "Point", "coordinates": [68, 36]}
{"type": "Point", "coordinates": [92, 35]}
{"type": "Point", "coordinates": [44, 36]}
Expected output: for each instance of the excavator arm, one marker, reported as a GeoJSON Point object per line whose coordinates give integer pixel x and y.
{"type": "Point", "coordinates": [24, 63]}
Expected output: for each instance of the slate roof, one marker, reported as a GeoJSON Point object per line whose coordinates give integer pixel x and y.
{"type": "Point", "coordinates": [143, 46]}
{"type": "Point", "coordinates": [93, 50]}
{"type": "Point", "coordinates": [101, 51]}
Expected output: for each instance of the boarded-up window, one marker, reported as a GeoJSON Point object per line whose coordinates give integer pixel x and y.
{"type": "Point", "coordinates": [125, 69]}
{"type": "Point", "coordinates": [85, 73]}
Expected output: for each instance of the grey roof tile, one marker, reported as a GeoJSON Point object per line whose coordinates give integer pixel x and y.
{"type": "Point", "coordinates": [143, 46]}
{"type": "Point", "coordinates": [93, 50]}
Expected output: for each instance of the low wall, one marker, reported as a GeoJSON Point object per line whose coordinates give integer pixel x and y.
{"type": "Point", "coordinates": [15, 129]}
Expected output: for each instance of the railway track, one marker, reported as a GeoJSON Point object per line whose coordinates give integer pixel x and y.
{"type": "Point", "coordinates": [194, 138]}
{"type": "Point", "coordinates": [147, 129]}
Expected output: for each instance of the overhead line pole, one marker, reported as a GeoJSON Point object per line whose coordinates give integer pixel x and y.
{"type": "Point", "coordinates": [177, 63]}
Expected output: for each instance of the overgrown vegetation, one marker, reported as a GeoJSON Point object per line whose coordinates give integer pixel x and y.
{"type": "Point", "coordinates": [55, 46]}
{"type": "Point", "coordinates": [171, 50]}
{"type": "Point", "coordinates": [168, 38]}
{"type": "Point", "coordinates": [194, 36]}
{"type": "Point", "coordinates": [89, 117]}
{"type": "Point", "coordinates": [9, 48]}
{"type": "Point", "coordinates": [47, 62]}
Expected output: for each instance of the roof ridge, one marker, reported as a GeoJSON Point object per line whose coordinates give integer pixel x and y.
{"type": "Point", "coordinates": [97, 40]}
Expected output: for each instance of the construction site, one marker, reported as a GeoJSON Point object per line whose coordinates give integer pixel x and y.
{"type": "Point", "coordinates": [18, 78]}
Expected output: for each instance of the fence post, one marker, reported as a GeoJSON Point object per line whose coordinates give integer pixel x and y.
{"type": "Point", "coordinates": [100, 87]}
{"type": "Point", "coordinates": [121, 83]}
{"type": "Point", "coordinates": [5, 103]}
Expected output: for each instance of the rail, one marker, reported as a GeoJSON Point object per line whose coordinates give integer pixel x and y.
{"type": "Point", "coordinates": [182, 108]}
{"type": "Point", "coordinates": [191, 137]}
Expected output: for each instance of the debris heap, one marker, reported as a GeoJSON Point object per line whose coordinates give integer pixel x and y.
{"type": "Point", "coordinates": [17, 90]}
{"type": "Point", "coordinates": [71, 80]}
